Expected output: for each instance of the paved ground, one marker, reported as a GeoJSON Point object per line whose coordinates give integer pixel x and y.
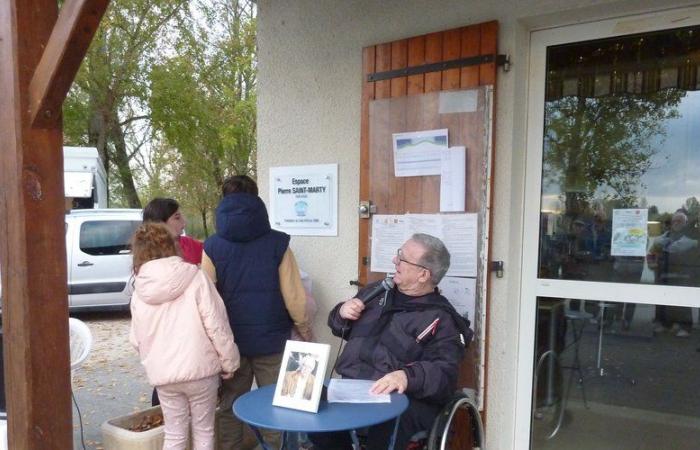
{"type": "Point", "coordinates": [111, 382]}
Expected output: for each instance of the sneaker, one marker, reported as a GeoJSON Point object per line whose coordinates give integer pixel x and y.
{"type": "Point", "coordinates": [682, 333]}
{"type": "Point", "coordinates": [675, 327]}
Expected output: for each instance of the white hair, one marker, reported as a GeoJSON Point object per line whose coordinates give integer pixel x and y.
{"type": "Point", "coordinates": [436, 258]}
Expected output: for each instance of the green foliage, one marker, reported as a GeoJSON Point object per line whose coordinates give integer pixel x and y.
{"type": "Point", "coordinates": [203, 103]}
{"type": "Point", "coordinates": [167, 95]}
{"type": "Point", "coordinates": [604, 144]}
{"type": "Point", "coordinates": [107, 105]}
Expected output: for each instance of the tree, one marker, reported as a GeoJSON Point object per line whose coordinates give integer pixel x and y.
{"type": "Point", "coordinates": [108, 105]}
{"type": "Point", "coordinates": [203, 101]}
{"type": "Point", "coordinates": [604, 143]}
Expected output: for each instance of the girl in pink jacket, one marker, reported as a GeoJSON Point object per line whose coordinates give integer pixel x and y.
{"type": "Point", "coordinates": [180, 329]}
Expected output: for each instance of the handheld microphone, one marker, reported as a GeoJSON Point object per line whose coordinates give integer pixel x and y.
{"type": "Point", "coordinates": [387, 284]}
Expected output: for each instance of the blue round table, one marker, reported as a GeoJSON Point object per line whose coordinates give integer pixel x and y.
{"type": "Point", "coordinates": [255, 408]}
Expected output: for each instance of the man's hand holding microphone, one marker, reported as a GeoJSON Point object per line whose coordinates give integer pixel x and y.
{"type": "Point", "coordinates": [352, 309]}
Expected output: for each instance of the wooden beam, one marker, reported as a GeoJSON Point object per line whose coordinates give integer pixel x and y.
{"type": "Point", "coordinates": [69, 42]}
{"type": "Point", "coordinates": [32, 248]}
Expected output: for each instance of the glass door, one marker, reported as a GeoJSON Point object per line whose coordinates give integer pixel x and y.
{"type": "Point", "coordinates": [610, 294]}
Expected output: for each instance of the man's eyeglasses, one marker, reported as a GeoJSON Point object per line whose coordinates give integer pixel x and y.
{"type": "Point", "coordinates": [399, 257]}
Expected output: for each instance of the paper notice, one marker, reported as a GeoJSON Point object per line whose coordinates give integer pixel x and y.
{"type": "Point", "coordinates": [461, 292]}
{"type": "Point", "coordinates": [629, 232]}
{"type": "Point", "coordinates": [354, 391]}
{"type": "Point", "coordinates": [457, 231]}
{"type": "Point", "coordinates": [388, 235]}
{"type": "Point", "coordinates": [418, 153]}
{"type": "Point", "coordinates": [453, 179]}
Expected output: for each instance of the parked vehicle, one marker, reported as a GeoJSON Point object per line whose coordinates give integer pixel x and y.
{"type": "Point", "coordinates": [84, 178]}
{"type": "Point", "coordinates": [98, 256]}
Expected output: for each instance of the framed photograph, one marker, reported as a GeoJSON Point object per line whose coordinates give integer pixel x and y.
{"type": "Point", "coordinates": [301, 376]}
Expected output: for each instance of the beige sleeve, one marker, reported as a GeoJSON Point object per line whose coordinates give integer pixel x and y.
{"type": "Point", "coordinates": [208, 267]}
{"type": "Point", "coordinates": [293, 293]}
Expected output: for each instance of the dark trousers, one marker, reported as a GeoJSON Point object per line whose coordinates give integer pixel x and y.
{"type": "Point", "coordinates": [668, 315]}
{"type": "Point", "coordinates": [155, 401]}
{"type": "Point", "coordinates": [418, 417]}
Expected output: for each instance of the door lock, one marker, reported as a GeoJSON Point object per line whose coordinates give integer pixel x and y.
{"type": "Point", "coordinates": [366, 209]}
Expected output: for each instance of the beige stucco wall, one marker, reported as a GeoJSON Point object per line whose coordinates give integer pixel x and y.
{"type": "Point", "coordinates": [309, 113]}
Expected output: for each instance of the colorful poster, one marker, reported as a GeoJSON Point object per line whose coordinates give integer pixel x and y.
{"type": "Point", "coordinates": [629, 232]}
{"type": "Point", "coordinates": [418, 153]}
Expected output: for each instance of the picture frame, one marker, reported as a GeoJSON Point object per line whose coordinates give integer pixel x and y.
{"type": "Point", "coordinates": [302, 372]}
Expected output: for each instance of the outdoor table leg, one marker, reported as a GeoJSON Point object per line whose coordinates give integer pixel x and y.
{"type": "Point", "coordinates": [355, 441]}
{"type": "Point", "coordinates": [392, 440]}
{"type": "Point", "coordinates": [393, 435]}
{"type": "Point", "coordinates": [262, 442]}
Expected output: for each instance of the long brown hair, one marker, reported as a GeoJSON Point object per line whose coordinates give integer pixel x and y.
{"type": "Point", "coordinates": [152, 240]}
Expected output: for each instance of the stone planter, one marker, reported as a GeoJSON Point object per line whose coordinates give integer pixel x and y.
{"type": "Point", "coordinates": [116, 434]}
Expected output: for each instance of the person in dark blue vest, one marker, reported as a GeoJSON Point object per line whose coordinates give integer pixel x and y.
{"type": "Point", "coordinates": [257, 276]}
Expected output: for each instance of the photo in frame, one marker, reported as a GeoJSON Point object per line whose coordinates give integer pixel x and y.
{"type": "Point", "coordinates": [301, 376]}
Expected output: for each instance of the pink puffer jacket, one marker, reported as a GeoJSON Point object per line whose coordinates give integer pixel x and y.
{"type": "Point", "coordinates": [179, 324]}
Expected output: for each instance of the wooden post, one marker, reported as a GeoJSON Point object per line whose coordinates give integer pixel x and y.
{"type": "Point", "coordinates": [32, 247]}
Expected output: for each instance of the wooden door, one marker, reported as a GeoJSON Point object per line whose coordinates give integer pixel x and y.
{"type": "Point", "coordinates": [390, 194]}
{"type": "Point", "coordinates": [411, 102]}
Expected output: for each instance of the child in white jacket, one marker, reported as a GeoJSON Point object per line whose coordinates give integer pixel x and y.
{"type": "Point", "coordinates": [180, 329]}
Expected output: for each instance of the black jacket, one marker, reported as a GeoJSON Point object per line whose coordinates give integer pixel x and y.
{"type": "Point", "coordinates": [385, 339]}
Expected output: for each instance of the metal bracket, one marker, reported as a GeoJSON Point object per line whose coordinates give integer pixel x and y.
{"type": "Point", "coordinates": [497, 266]}
{"type": "Point", "coordinates": [500, 60]}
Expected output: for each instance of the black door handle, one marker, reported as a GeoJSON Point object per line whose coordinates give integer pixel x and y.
{"type": "Point", "coordinates": [85, 264]}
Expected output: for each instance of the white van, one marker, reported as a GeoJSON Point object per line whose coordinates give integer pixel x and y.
{"type": "Point", "coordinates": [98, 256]}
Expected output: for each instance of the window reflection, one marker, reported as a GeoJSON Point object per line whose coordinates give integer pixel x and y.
{"type": "Point", "coordinates": [621, 132]}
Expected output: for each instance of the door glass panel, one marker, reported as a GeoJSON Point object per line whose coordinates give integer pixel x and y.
{"type": "Point", "coordinates": [619, 204]}
{"type": "Point", "coordinates": [621, 139]}
{"type": "Point", "coordinates": [602, 387]}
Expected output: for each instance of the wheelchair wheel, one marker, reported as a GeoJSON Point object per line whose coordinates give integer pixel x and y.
{"type": "Point", "coordinates": [443, 434]}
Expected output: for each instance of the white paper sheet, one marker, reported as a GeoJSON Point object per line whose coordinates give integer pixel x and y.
{"type": "Point", "coordinates": [354, 391]}
{"type": "Point", "coordinates": [418, 153]}
{"type": "Point", "coordinates": [461, 292]}
{"type": "Point", "coordinates": [453, 179]}
{"type": "Point", "coordinates": [388, 234]}
{"type": "Point", "coordinates": [457, 231]}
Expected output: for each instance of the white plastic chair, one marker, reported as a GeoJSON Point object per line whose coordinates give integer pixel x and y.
{"type": "Point", "coordinates": [80, 342]}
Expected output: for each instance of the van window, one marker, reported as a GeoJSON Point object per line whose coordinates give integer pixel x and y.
{"type": "Point", "coordinates": [106, 237]}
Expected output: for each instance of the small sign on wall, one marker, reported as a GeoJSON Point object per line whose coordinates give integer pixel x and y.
{"type": "Point", "coordinates": [304, 199]}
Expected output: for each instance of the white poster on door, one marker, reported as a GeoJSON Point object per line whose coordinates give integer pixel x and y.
{"type": "Point", "coordinates": [457, 231]}
{"type": "Point", "coordinates": [417, 153]}
{"type": "Point", "coordinates": [629, 232]}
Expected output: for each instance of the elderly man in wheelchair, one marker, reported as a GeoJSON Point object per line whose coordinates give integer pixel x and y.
{"type": "Point", "coordinates": [408, 339]}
